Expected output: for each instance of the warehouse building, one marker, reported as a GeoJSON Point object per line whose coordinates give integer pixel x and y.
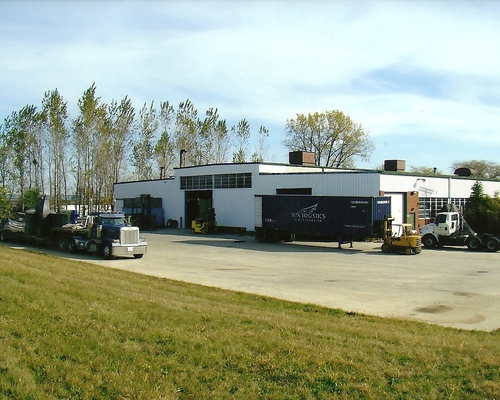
{"type": "Point", "coordinates": [231, 188]}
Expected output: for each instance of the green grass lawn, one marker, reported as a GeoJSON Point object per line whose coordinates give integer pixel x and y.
{"type": "Point", "coordinates": [74, 330]}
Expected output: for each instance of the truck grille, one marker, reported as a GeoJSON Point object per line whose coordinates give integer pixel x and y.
{"type": "Point", "coordinates": [129, 235]}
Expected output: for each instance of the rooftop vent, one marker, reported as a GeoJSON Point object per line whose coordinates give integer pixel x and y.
{"type": "Point", "coordinates": [302, 158]}
{"type": "Point", "coordinates": [395, 165]}
{"type": "Point", "coordinates": [463, 172]}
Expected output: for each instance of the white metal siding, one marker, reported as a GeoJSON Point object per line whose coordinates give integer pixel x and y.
{"type": "Point", "coordinates": [327, 184]}
{"type": "Point", "coordinates": [135, 189]}
{"type": "Point", "coordinates": [234, 207]}
{"type": "Point", "coordinates": [434, 186]}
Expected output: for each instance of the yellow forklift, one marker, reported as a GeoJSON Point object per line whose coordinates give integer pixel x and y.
{"type": "Point", "coordinates": [400, 238]}
{"type": "Point", "coordinates": [205, 225]}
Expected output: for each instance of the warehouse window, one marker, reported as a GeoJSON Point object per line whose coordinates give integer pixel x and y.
{"type": "Point", "coordinates": [428, 207]}
{"type": "Point", "coordinates": [218, 181]}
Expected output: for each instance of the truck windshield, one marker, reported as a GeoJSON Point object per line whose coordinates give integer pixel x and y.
{"type": "Point", "coordinates": [116, 221]}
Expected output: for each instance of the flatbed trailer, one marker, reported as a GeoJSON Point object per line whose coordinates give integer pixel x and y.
{"type": "Point", "coordinates": [107, 234]}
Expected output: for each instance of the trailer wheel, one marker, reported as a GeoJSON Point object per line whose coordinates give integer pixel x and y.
{"type": "Point", "coordinates": [492, 244]}
{"type": "Point", "coordinates": [62, 244]}
{"type": "Point", "coordinates": [72, 246]}
{"type": "Point", "coordinates": [106, 251]}
{"type": "Point", "coordinates": [474, 243]}
{"type": "Point", "coordinates": [261, 235]}
{"type": "Point", "coordinates": [429, 241]}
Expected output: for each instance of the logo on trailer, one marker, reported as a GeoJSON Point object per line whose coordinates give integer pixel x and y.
{"type": "Point", "coordinates": [309, 214]}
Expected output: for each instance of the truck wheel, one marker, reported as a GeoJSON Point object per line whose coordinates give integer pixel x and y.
{"type": "Point", "coordinates": [492, 244]}
{"type": "Point", "coordinates": [106, 251]}
{"type": "Point", "coordinates": [474, 243]}
{"type": "Point", "coordinates": [429, 241]}
{"type": "Point", "coordinates": [138, 255]}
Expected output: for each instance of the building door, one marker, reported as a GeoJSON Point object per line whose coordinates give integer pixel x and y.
{"type": "Point", "coordinates": [198, 205]}
{"type": "Point", "coordinates": [398, 207]}
{"type": "Point", "coordinates": [412, 219]}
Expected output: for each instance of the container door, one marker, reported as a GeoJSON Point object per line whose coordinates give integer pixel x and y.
{"type": "Point", "coordinates": [258, 212]}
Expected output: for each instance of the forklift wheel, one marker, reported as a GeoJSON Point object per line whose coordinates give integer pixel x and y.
{"type": "Point", "coordinates": [385, 248]}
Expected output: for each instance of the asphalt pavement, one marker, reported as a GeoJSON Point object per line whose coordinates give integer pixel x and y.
{"type": "Point", "coordinates": [452, 287]}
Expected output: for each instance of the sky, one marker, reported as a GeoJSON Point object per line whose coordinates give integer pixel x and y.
{"type": "Point", "coordinates": [421, 77]}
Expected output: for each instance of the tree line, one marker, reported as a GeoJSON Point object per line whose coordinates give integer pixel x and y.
{"type": "Point", "coordinates": [481, 169]}
{"type": "Point", "coordinates": [482, 212]}
{"type": "Point", "coordinates": [45, 151]}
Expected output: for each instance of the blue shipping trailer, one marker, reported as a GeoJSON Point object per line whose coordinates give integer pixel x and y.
{"type": "Point", "coordinates": [333, 218]}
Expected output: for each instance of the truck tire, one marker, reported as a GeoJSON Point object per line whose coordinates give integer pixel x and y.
{"type": "Point", "coordinates": [474, 243]}
{"type": "Point", "coordinates": [106, 251]}
{"type": "Point", "coordinates": [429, 241]}
{"type": "Point", "coordinates": [138, 255]}
{"type": "Point", "coordinates": [492, 244]}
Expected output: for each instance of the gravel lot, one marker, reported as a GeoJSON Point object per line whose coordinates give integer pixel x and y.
{"type": "Point", "coordinates": [451, 287]}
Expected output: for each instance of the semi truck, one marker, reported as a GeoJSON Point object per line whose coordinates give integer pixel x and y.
{"type": "Point", "coordinates": [449, 228]}
{"type": "Point", "coordinates": [331, 218]}
{"type": "Point", "coordinates": [107, 234]}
